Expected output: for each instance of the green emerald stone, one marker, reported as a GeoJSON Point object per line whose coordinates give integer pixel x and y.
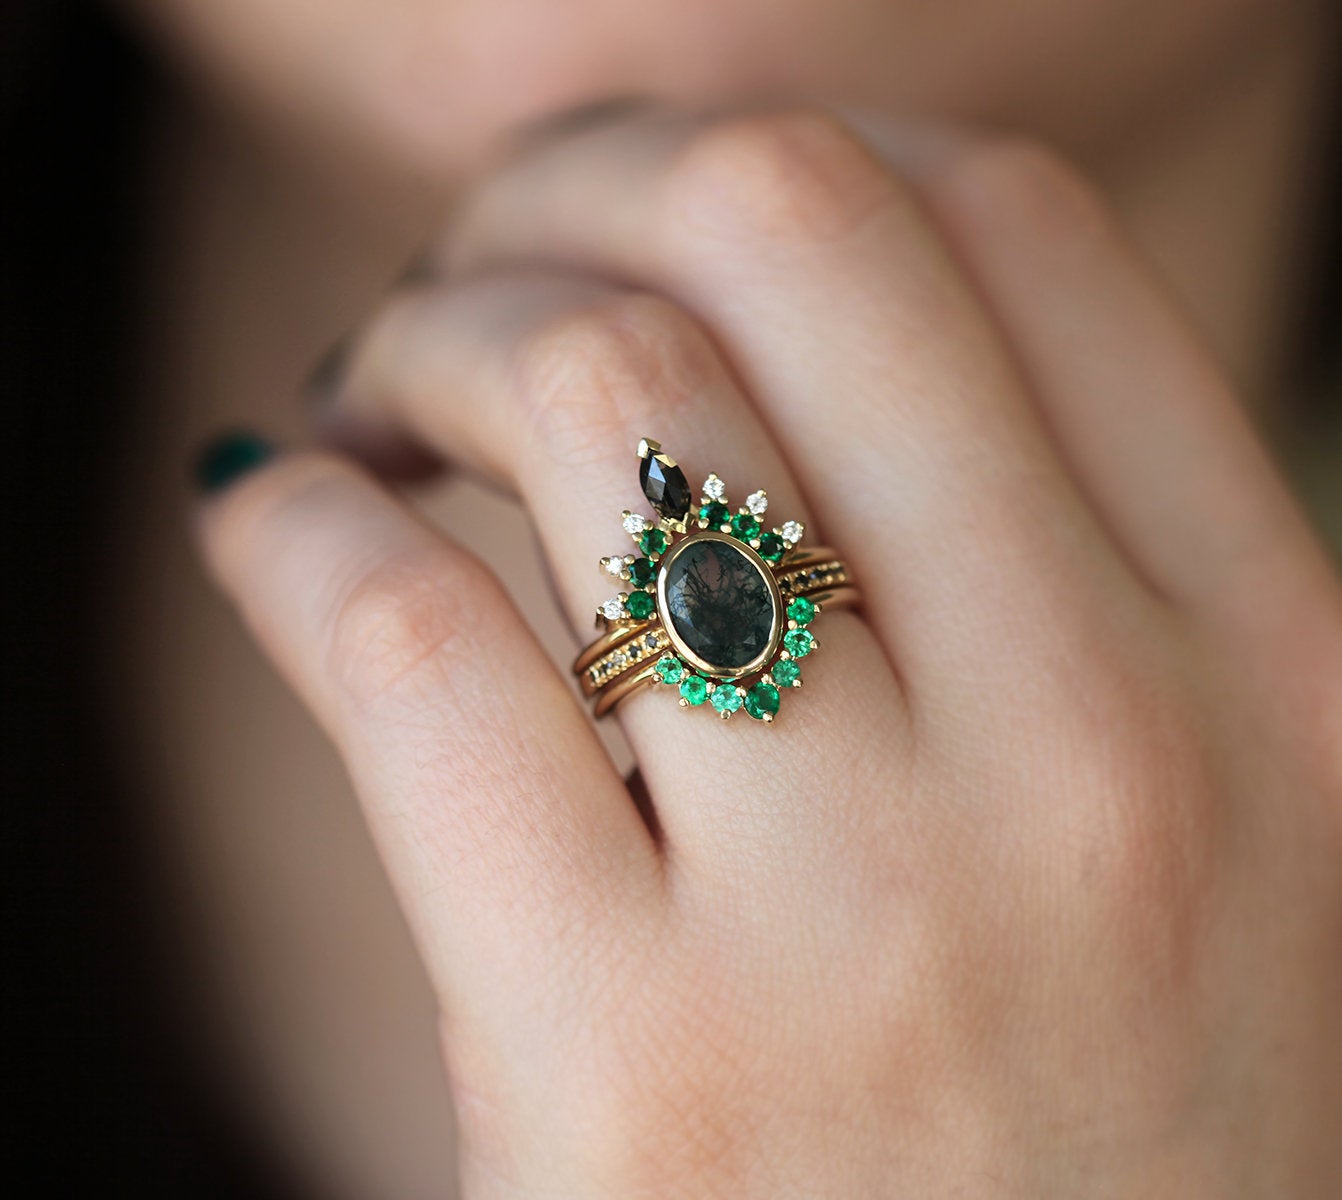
{"type": "Point", "coordinates": [799, 642]}
{"type": "Point", "coordinates": [715, 514]}
{"type": "Point", "coordinates": [801, 610]}
{"type": "Point", "coordinates": [670, 669]}
{"type": "Point", "coordinates": [642, 571]}
{"type": "Point", "coordinates": [745, 526]}
{"type": "Point", "coordinates": [726, 699]}
{"type": "Point", "coordinates": [771, 547]}
{"type": "Point", "coordinates": [762, 700]}
{"type": "Point", "coordinates": [694, 689]}
{"type": "Point", "coordinates": [785, 672]}
{"type": "Point", "coordinates": [653, 541]}
{"type": "Point", "coordinates": [640, 605]}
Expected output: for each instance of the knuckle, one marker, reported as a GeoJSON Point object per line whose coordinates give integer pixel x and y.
{"type": "Point", "coordinates": [408, 621]}
{"type": "Point", "coordinates": [1142, 849]}
{"type": "Point", "coordinates": [1022, 183]}
{"type": "Point", "coordinates": [794, 178]}
{"type": "Point", "coordinates": [587, 376]}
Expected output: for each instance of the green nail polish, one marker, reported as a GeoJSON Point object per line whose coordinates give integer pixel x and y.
{"type": "Point", "coordinates": [228, 457]}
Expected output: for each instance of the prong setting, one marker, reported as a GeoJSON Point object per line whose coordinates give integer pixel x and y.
{"type": "Point", "coordinates": [734, 683]}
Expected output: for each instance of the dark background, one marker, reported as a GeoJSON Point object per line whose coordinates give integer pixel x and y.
{"type": "Point", "coordinates": [98, 1076]}
{"type": "Point", "coordinates": [98, 1073]}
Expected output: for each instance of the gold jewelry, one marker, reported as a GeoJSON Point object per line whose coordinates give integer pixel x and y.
{"type": "Point", "coordinates": [721, 611]}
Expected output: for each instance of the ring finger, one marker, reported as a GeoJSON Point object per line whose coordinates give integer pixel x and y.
{"type": "Point", "coordinates": [546, 382]}
{"type": "Point", "coordinates": [880, 372]}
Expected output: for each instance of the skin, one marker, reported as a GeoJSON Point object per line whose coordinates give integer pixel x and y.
{"type": "Point", "coordinates": [1014, 949]}
{"type": "Point", "coordinates": [1050, 874]}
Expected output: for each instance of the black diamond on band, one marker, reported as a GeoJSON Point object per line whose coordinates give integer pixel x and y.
{"type": "Point", "coordinates": [663, 482]}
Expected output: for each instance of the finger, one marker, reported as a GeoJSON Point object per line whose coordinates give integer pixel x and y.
{"type": "Point", "coordinates": [1145, 418]}
{"type": "Point", "coordinates": [547, 382]}
{"type": "Point", "coordinates": [882, 377]}
{"type": "Point", "coordinates": [502, 823]}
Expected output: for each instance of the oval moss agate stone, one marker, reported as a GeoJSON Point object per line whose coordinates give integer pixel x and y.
{"type": "Point", "coordinates": [719, 604]}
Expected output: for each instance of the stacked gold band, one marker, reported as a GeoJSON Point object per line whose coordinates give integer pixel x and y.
{"type": "Point", "coordinates": [621, 660]}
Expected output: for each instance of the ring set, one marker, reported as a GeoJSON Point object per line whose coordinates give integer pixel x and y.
{"type": "Point", "coordinates": [715, 605]}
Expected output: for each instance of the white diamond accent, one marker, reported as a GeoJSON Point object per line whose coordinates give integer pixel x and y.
{"type": "Point", "coordinates": [791, 532]}
{"type": "Point", "coordinates": [613, 565]}
{"type": "Point", "coordinates": [613, 609]}
{"type": "Point", "coordinates": [757, 502]}
{"type": "Point", "coordinates": [634, 524]}
{"type": "Point", "coordinates": [714, 488]}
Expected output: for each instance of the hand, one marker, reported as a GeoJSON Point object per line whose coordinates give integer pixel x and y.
{"type": "Point", "coordinates": [1034, 890]}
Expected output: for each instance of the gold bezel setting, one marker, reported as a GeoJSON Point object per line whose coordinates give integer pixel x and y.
{"type": "Point", "coordinates": [777, 622]}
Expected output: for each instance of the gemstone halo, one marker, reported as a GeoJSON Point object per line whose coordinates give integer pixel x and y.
{"type": "Point", "coordinates": [713, 602]}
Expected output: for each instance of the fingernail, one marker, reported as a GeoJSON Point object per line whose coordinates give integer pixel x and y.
{"type": "Point", "coordinates": [227, 457]}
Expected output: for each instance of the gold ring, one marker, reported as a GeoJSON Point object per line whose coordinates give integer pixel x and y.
{"type": "Point", "coordinates": [716, 606]}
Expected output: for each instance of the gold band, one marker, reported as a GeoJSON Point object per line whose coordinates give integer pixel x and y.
{"type": "Point", "coordinates": [621, 660]}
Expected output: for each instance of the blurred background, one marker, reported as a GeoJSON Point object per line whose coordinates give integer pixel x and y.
{"type": "Point", "coordinates": [200, 198]}
{"type": "Point", "coordinates": [100, 1080]}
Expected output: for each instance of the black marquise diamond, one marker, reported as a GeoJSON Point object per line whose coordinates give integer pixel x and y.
{"type": "Point", "coordinates": [664, 485]}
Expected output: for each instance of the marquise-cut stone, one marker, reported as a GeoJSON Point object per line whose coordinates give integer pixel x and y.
{"type": "Point", "coordinates": [665, 486]}
{"type": "Point", "coordinates": [719, 604]}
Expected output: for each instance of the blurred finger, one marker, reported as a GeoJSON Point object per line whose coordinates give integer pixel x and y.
{"type": "Point", "coordinates": [491, 800]}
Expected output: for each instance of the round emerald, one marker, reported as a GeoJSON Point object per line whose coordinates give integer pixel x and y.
{"type": "Point", "coordinates": [745, 526]}
{"type": "Point", "coordinates": [670, 669]}
{"type": "Point", "coordinates": [653, 541]}
{"type": "Point", "coordinates": [799, 642]}
{"type": "Point", "coordinates": [785, 672]}
{"type": "Point", "coordinates": [726, 699]}
{"type": "Point", "coordinates": [694, 689]}
{"type": "Point", "coordinates": [771, 547]}
{"type": "Point", "coordinates": [642, 571]}
{"type": "Point", "coordinates": [801, 610]}
{"type": "Point", "coordinates": [762, 701]}
{"type": "Point", "coordinates": [640, 605]}
{"type": "Point", "coordinates": [715, 514]}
